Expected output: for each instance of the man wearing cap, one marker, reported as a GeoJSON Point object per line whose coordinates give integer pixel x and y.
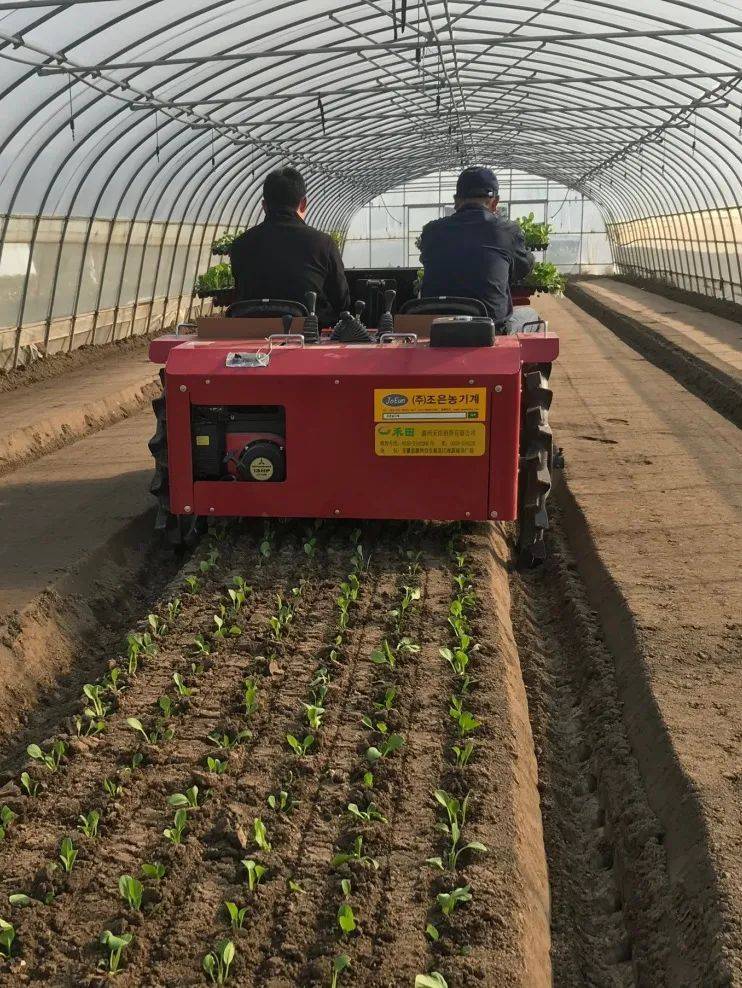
{"type": "Point", "coordinates": [475, 253]}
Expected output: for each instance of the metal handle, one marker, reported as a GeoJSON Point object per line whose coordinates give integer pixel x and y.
{"type": "Point", "coordinates": [537, 323]}
{"type": "Point", "coordinates": [185, 325]}
{"type": "Point", "coordinates": [276, 339]}
{"type": "Point", "coordinates": [407, 337]}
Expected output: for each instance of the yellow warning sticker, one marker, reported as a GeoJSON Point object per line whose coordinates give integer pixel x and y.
{"type": "Point", "coordinates": [418, 404]}
{"type": "Point", "coordinates": [430, 439]}
{"type": "Point", "coordinates": [202, 440]}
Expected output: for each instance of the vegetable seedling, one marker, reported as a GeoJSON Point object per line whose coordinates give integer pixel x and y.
{"type": "Point", "coordinates": [112, 788]}
{"type": "Point", "coordinates": [294, 886]}
{"type": "Point", "coordinates": [300, 748]}
{"type": "Point", "coordinates": [208, 564]}
{"type": "Point", "coordinates": [173, 609]}
{"type": "Point", "coordinates": [154, 870]}
{"type": "Point", "coordinates": [192, 584]}
{"type": "Point", "coordinates": [391, 744]}
{"type": "Point", "coordinates": [7, 816]}
{"type": "Point", "coordinates": [175, 833]}
{"type": "Point", "coordinates": [7, 936]}
{"type": "Point", "coordinates": [89, 823]}
{"type": "Point", "coordinates": [236, 915]}
{"type": "Point", "coordinates": [67, 854]}
{"type": "Point", "coordinates": [50, 759]}
{"type": "Point", "coordinates": [29, 785]}
{"type": "Point", "coordinates": [432, 980]}
{"type": "Point", "coordinates": [225, 630]}
{"type": "Point", "coordinates": [158, 626]}
{"type": "Point", "coordinates": [217, 765]}
{"type": "Point", "coordinates": [201, 646]}
{"type": "Point", "coordinates": [346, 887]}
{"type": "Point", "coordinates": [261, 835]}
{"type": "Point", "coordinates": [226, 742]}
{"type": "Point", "coordinates": [131, 891]}
{"type": "Point", "coordinates": [314, 715]}
{"type": "Point", "coordinates": [165, 703]}
{"type": "Point", "coordinates": [356, 856]}
{"type": "Point", "coordinates": [97, 708]}
{"type": "Point", "coordinates": [217, 963]}
{"type": "Point", "coordinates": [187, 800]}
{"type": "Point", "coordinates": [448, 901]}
{"type": "Point", "coordinates": [182, 690]}
{"type": "Point", "coordinates": [282, 802]}
{"type": "Point", "coordinates": [115, 946]}
{"type": "Point", "coordinates": [465, 721]}
{"type": "Point", "coordinates": [250, 696]}
{"type": "Point", "coordinates": [255, 873]}
{"type": "Point", "coordinates": [346, 918]}
{"type": "Point", "coordinates": [310, 547]}
{"type": "Point", "coordinates": [388, 702]}
{"type": "Point", "coordinates": [155, 734]}
{"type": "Point", "coordinates": [340, 963]}
{"type": "Point", "coordinates": [384, 656]}
{"type": "Point", "coordinates": [368, 815]}
{"type": "Point", "coordinates": [463, 754]}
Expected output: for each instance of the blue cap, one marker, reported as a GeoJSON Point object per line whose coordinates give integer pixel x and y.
{"type": "Point", "coordinates": [474, 183]}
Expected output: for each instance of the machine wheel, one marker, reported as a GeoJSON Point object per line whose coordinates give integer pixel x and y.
{"type": "Point", "coordinates": [179, 531]}
{"type": "Point", "coordinates": [536, 467]}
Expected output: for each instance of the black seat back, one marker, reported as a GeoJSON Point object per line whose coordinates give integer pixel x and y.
{"type": "Point", "coordinates": [444, 305]}
{"type": "Point", "coordinates": [262, 308]}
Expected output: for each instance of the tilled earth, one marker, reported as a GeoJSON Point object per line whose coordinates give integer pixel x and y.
{"type": "Point", "coordinates": [291, 934]}
{"type": "Point", "coordinates": [551, 778]}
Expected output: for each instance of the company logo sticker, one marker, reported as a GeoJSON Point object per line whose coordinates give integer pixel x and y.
{"type": "Point", "coordinates": [395, 401]}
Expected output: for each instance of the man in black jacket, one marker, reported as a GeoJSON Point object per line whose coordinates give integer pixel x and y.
{"type": "Point", "coordinates": [475, 253]}
{"type": "Point", "coordinates": [284, 258]}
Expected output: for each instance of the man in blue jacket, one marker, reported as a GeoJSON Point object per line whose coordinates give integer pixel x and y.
{"type": "Point", "coordinates": [474, 253]}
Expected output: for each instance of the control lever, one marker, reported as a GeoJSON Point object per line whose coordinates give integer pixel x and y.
{"type": "Point", "coordinates": [311, 325]}
{"type": "Point", "coordinates": [287, 319]}
{"type": "Point", "coordinates": [386, 322]}
{"type": "Point", "coordinates": [358, 308]}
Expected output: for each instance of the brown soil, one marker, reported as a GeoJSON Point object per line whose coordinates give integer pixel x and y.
{"type": "Point", "coordinates": [55, 364]}
{"type": "Point", "coordinates": [290, 938]}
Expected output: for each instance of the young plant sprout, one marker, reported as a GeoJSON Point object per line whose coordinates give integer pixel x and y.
{"type": "Point", "coordinates": [29, 785]}
{"type": "Point", "coordinates": [456, 811]}
{"type": "Point", "coordinates": [310, 547]}
{"type": "Point", "coordinates": [182, 690]}
{"type": "Point", "coordinates": [201, 646]}
{"type": "Point", "coordinates": [89, 823]}
{"type": "Point", "coordinates": [261, 835]}
{"type": "Point", "coordinates": [226, 742]}
{"type": "Point", "coordinates": [384, 656]}
{"type": "Point", "coordinates": [340, 963]}
{"type": "Point", "coordinates": [217, 963]}
{"type": "Point", "coordinates": [294, 886]}
{"type": "Point", "coordinates": [175, 833]}
{"type": "Point", "coordinates": [368, 815]}
{"type": "Point", "coordinates": [173, 609]}
{"type": "Point", "coordinates": [368, 780]}
{"type": "Point", "coordinates": [236, 915]}
{"type": "Point", "coordinates": [158, 626]}
{"type": "Point", "coordinates": [192, 584]}
{"type": "Point", "coordinates": [155, 734]}
{"type": "Point", "coordinates": [7, 936]}
{"type": "Point", "coordinates": [346, 887]}
{"type": "Point", "coordinates": [115, 946]}
{"type": "Point", "coordinates": [237, 598]}
{"type": "Point", "coordinates": [391, 744]}
{"type": "Point", "coordinates": [465, 721]}
{"type": "Point", "coordinates": [463, 754]}
{"type": "Point", "coordinates": [131, 891]}
{"type": "Point", "coordinates": [50, 759]}
{"type": "Point", "coordinates": [255, 873]}
{"type": "Point", "coordinates": [356, 856]}
{"type": "Point", "coordinates": [346, 918]}
{"type": "Point", "coordinates": [457, 658]}
{"type": "Point", "coordinates": [250, 696]}
{"type": "Point", "coordinates": [216, 765]}
{"type": "Point", "coordinates": [300, 748]}
{"type": "Point", "coordinates": [282, 802]}
{"type": "Point", "coordinates": [208, 564]}
{"type": "Point", "coordinates": [449, 900]}
{"type": "Point", "coordinates": [165, 703]}
{"type": "Point", "coordinates": [432, 980]}
{"type": "Point", "coordinates": [405, 646]}
{"type": "Point", "coordinates": [314, 715]}
{"type": "Point", "coordinates": [387, 703]}
{"type": "Point", "coordinates": [223, 628]}
{"type": "Point", "coordinates": [67, 854]}
{"type": "Point", "coordinates": [154, 870]}
{"type": "Point", "coordinates": [187, 800]}
{"type": "Point", "coordinates": [86, 728]}
{"type": "Point", "coordinates": [7, 816]}
{"type": "Point", "coordinates": [112, 788]}
{"type": "Point", "coordinates": [97, 708]}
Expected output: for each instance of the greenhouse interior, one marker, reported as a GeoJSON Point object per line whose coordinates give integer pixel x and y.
{"type": "Point", "coordinates": [370, 500]}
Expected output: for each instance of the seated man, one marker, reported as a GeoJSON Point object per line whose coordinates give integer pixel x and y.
{"type": "Point", "coordinates": [475, 253]}
{"type": "Point", "coordinates": [284, 258]}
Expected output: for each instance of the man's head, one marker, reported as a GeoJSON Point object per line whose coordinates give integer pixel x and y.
{"type": "Point", "coordinates": [477, 186]}
{"type": "Point", "coordinates": [284, 188]}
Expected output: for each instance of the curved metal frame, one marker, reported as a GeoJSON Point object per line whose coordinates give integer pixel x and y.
{"type": "Point", "coordinates": [636, 111]}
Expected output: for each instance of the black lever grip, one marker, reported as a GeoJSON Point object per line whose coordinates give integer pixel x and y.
{"type": "Point", "coordinates": [389, 297]}
{"type": "Point", "coordinates": [287, 320]}
{"type": "Point", "coordinates": [311, 300]}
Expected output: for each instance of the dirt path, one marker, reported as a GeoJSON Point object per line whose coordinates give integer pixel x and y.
{"type": "Point", "coordinates": [652, 510]}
